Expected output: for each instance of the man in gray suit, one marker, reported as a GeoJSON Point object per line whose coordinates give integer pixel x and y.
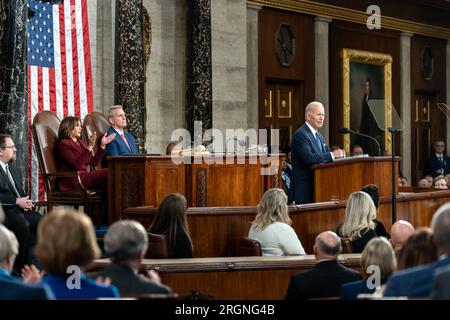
{"type": "Point", "coordinates": [126, 243]}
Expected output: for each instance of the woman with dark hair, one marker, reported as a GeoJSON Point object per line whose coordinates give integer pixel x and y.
{"type": "Point", "coordinates": [418, 250]}
{"type": "Point", "coordinates": [171, 221]}
{"type": "Point", "coordinates": [75, 155]}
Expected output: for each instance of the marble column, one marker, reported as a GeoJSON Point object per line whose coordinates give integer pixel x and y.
{"type": "Point", "coordinates": [448, 93]}
{"type": "Point", "coordinates": [405, 100]}
{"type": "Point", "coordinates": [252, 65]}
{"type": "Point", "coordinates": [198, 65]}
{"type": "Point", "coordinates": [130, 76]}
{"type": "Point", "coordinates": [322, 76]}
{"type": "Point", "coordinates": [13, 80]}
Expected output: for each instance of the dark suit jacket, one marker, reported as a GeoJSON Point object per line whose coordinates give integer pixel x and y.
{"type": "Point", "coordinates": [441, 284]}
{"type": "Point", "coordinates": [128, 282]}
{"type": "Point", "coordinates": [323, 280]}
{"type": "Point", "coordinates": [14, 289]}
{"type": "Point", "coordinates": [75, 156]}
{"type": "Point", "coordinates": [305, 153]}
{"type": "Point", "coordinates": [7, 195]}
{"type": "Point", "coordinates": [414, 282]}
{"type": "Point", "coordinates": [434, 167]}
{"type": "Point", "coordinates": [118, 147]}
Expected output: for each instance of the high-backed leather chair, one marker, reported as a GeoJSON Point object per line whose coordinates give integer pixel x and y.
{"type": "Point", "coordinates": [158, 247]}
{"type": "Point", "coordinates": [249, 247]}
{"type": "Point", "coordinates": [45, 135]}
{"type": "Point", "coordinates": [95, 122]}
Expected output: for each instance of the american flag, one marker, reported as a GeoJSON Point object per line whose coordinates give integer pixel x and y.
{"type": "Point", "coordinates": [59, 68]}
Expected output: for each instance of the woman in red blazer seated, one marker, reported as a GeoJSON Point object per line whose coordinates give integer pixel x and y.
{"type": "Point", "coordinates": [75, 155]}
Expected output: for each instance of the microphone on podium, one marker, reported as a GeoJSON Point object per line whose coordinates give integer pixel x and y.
{"type": "Point", "coordinates": [347, 130]}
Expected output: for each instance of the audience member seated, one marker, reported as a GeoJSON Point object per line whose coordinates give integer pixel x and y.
{"type": "Point", "coordinates": [416, 282]}
{"type": "Point", "coordinates": [171, 221]}
{"type": "Point", "coordinates": [402, 181]}
{"type": "Point", "coordinates": [372, 191]}
{"type": "Point", "coordinates": [172, 147]}
{"type": "Point", "coordinates": [438, 163]}
{"type": "Point", "coordinates": [440, 182]}
{"type": "Point", "coordinates": [123, 143]}
{"type": "Point", "coordinates": [357, 150]}
{"type": "Point", "coordinates": [378, 252]}
{"type": "Point", "coordinates": [358, 225]}
{"type": "Point", "coordinates": [19, 214]}
{"type": "Point", "coordinates": [401, 230]}
{"type": "Point", "coordinates": [327, 276]}
{"type": "Point", "coordinates": [426, 182]}
{"type": "Point", "coordinates": [126, 243]}
{"type": "Point", "coordinates": [286, 174]}
{"type": "Point", "coordinates": [441, 284]}
{"type": "Point", "coordinates": [418, 250]}
{"type": "Point", "coordinates": [13, 288]}
{"type": "Point", "coordinates": [271, 226]}
{"type": "Point", "coordinates": [75, 155]}
{"type": "Point", "coordinates": [66, 247]}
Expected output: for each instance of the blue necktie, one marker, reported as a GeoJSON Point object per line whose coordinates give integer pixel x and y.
{"type": "Point", "coordinates": [318, 141]}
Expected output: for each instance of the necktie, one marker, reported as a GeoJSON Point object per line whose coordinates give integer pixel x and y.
{"type": "Point", "coordinates": [11, 180]}
{"type": "Point", "coordinates": [318, 141]}
{"type": "Point", "coordinates": [124, 139]}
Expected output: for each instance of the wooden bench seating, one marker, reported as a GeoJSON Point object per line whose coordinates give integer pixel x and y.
{"type": "Point", "coordinates": [216, 231]}
{"type": "Point", "coordinates": [233, 277]}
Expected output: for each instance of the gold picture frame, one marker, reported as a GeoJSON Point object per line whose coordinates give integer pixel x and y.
{"type": "Point", "coordinates": [360, 61]}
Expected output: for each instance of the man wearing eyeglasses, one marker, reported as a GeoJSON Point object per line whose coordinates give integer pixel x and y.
{"type": "Point", "coordinates": [20, 217]}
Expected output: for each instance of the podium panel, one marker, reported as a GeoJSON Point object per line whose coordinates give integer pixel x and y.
{"type": "Point", "coordinates": [337, 180]}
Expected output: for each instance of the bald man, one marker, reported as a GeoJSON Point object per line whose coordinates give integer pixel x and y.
{"type": "Point", "coordinates": [327, 276]}
{"type": "Point", "coordinates": [400, 232]}
{"type": "Point", "coordinates": [308, 149]}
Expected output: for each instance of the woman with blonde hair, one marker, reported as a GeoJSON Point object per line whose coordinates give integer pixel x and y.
{"type": "Point", "coordinates": [66, 247]}
{"type": "Point", "coordinates": [377, 256]}
{"type": "Point", "coordinates": [358, 225]}
{"type": "Point", "coordinates": [271, 226]}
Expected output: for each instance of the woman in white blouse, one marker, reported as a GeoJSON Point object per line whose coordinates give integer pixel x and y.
{"type": "Point", "coordinates": [271, 226]}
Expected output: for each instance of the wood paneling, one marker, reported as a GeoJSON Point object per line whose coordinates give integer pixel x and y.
{"type": "Point", "coordinates": [215, 231]}
{"type": "Point", "coordinates": [248, 278]}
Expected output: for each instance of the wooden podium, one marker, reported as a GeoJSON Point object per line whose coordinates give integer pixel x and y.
{"type": "Point", "coordinates": [337, 180]}
{"type": "Point", "coordinates": [142, 180]}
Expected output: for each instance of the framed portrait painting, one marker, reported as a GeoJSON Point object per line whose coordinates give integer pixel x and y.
{"type": "Point", "coordinates": [366, 76]}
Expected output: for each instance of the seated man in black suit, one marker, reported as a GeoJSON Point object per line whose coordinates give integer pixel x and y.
{"type": "Point", "coordinates": [20, 217]}
{"type": "Point", "coordinates": [438, 163]}
{"type": "Point", "coordinates": [13, 288]}
{"type": "Point", "coordinates": [327, 276]}
{"type": "Point", "coordinates": [126, 243]}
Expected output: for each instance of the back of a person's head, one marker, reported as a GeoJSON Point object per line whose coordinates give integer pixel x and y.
{"type": "Point", "coordinates": [372, 191]}
{"type": "Point", "coordinates": [401, 230]}
{"type": "Point", "coordinates": [440, 223]}
{"type": "Point", "coordinates": [125, 241]}
{"type": "Point", "coordinates": [327, 245]}
{"type": "Point", "coordinates": [378, 252]}
{"type": "Point", "coordinates": [359, 215]}
{"type": "Point", "coordinates": [418, 250]}
{"type": "Point", "coordinates": [272, 208]}
{"type": "Point", "coordinates": [66, 237]}
{"type": "Point", "coordinates": [9, 247]}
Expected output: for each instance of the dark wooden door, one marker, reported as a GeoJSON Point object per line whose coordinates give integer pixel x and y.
{"type": "Point", "coordinates": [281, 109]}
{"type": "Point", "coordinates": [422, 117]}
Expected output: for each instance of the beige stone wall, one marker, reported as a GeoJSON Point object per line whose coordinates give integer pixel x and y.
{"type": "Point", "coordinates": [166, 72]}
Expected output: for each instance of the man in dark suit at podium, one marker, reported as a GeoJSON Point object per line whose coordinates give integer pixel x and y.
{"type": "Point", "coordinates": [124, 143]}
{"type": "Point", "coordinates": [308, 149]}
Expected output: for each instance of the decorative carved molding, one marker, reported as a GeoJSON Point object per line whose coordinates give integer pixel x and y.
{"type": "Point", "coordinates": [350, 15]}
{"type": "Point", "coordinates": [147, 36]}
{"type": "Point", "coordinates": [131, 177]}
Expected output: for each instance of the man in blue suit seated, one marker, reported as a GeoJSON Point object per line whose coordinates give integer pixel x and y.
{"type": "Point", "coordinates": [308, 149]}
{"type": "Point", "coordinates": [417, 281]}
{"type": "Point", "coordinates": [124, 143]}
{"type": "Point", "coordinates": [12, 288]}
{"type": "Point", "coordinates": [438, 163]}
